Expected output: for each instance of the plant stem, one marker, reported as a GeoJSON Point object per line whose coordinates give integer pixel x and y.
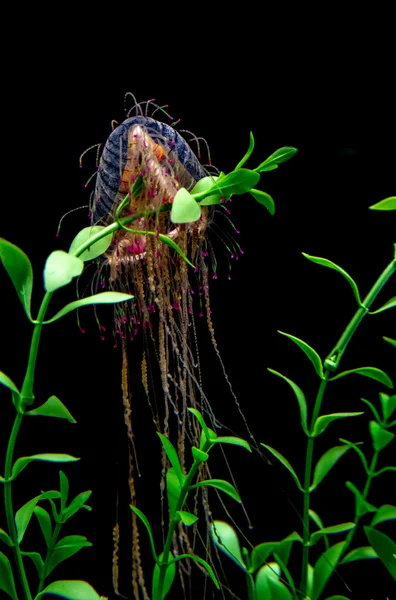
{"type": "Point", "coordinates": [48, 556]}
{"type": "Point", "coordinates": [250, 587]}
{"type": "Point", "coordinates": [26, 398]}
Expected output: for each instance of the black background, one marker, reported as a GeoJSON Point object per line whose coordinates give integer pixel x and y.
{"type": "Point", "coordinates": [334, 104]}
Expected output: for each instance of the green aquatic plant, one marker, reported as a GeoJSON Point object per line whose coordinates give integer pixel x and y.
{"type": "Point", "coordinates": [266, 566]}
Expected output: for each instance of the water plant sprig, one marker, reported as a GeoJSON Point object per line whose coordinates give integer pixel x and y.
{"type": "Point", "coordinates": [178, 487]}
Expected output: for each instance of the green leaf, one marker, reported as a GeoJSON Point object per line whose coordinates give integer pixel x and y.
{"type": "Point", "coordinates": [300, 399]}
{"type": "Point", "coordinates": [310, 352]}
{"type": "Point", "coordinates": [261, 553]}
{"type": "Point", "coordinates": [202, 562]}
{"type": "Point", "coordinates": [327, 263]}
{"type": "Point", "coordinates": [199, 455]}
{"type": "Point", "coordinates": [64, 489]}
{"type": "Point", "coordinates": [264, 199]}
{"type": "Point", "coordinates": [248, 153]}
{"type": "Point", "coordinates": [172, 455]}
{"type": "Point", "coordinates": [326, 463]}
{"type": "Point", "coordinates": [322, 422]}
{"type": "Point", "coordinates": [272, 572]}
{"type": "Point", "coordinates": [53, 407]}
{"type": "Point", "coordinates": [4, 380]}
{"type": "Point", "coordinates": [185, 209]}
{"type": "Point", "coordinates": [203, 185]}
{"type": "Point", "coordinates": [384, 547]}
{"type": "Point", "coordinates": [76, 504]}
{"type": "Point", "coordinates": [362, 506]}
{"type": "Point", "coordinates": [389, 340]}
{"type": "Point", "coordinates": [219, 484]}
{"type": "Point", "coordinates": [173, 490]}
{"type": "Point", "coordinates": [102, 298]}
{"type": "Point", "coordinates": [21, 463]}
{"type": "Point", "coordinates": [278, 157]}
{"type": "Point", "coordinates": [390, 304]}
{"type": "Point", "coordinates": [147, 525]}
{"type": "Point", "coordinates": [332, 529]}
{"type": "Point", "coordinates": [4, 537]}
{"type": "Point", "coordinates": [358, 554]}
{"type": "Point", "coordinates": [169, 242]}
{"type": "Point", "coordinates": [187, 518]}
{"type": "Point", "coordinates": [386, 512]}
{"type": "Point", "coordinates": [37, 561]}
{"type": "Point", "coordinates": [234, 441]}
{"type": "Point", "coordinates": [380, 436]}
{"type": "Point", "coordinates": [225, 538]}
{"type": "Point", "coordinates": [371, 372]}
{"type": "Point", "coordinates": [388, 404]}
{"type": "Point", "coordinates": [324, 567]}
{"type": "Point", "coordinates": [23, 516]}
{"type": "Point", "coordinates": [387, 204]}
{"type": "Point", "coordinates": [60, 268]}
{"type": "Point", "coordinates": [6, 577]}
{"type": "Point", "coordinates": [20, 270]}
{"type": "Point", "coordinates": [65, 548]}
{"type": "Point", "coordinates": [372, 408]}
{"type": "Point", "coordinates": [97, 249]}
{"type": "Point", "coordinates": [285, 463]}
{"type": "Point", "coordinates": [45, 523]}
{"type": "Point", "coordinates": [168, 580]}
{"type": "Point", "coordinates": [72, 590]}
{"type": "Point", "coordinates": [237, 182]}
{"type": "Point", "coordinates": [356, 448]}
{"type": "Point", "coordinates": [278, 590]}
{"type": "Point", "coordinates": [210, 437]}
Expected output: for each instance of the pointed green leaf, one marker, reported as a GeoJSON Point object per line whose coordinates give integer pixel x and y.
{"type": "Point", "coordinates": [326, 463]}
{"type": "Point", "coordinates": [310, 352]}
{"type": "Point", "coordinates": [237, 182]}
{"type": "Point", "coordinates": [285, 463]}
{"type": "Point", "coordinates": [37, 561]}
{"type": "Point", "coordinates": [380, 436]}
{"type": "Point", "coordinates": [21, 463]}
{"type": "Point", "coordinates": [386, 512]}
{"type": "Point", "coordinates": [60, 268]}
{"type": "Point", "coordinates": [371, 372]}
{"type": "Point", "coordinates": [234, 441]}
{"type": "Point", "coordinates": [362, 506]}
{"type": "Point", "coordinates": [278, 157]}
{"type": "Point", "coordinates": [389, 340]}
{"type": "Point", "coordinates": [97, 249]}
{"type": "Point", "coordinates": [260, 554]}
{"type": "Point", "coordinates": [202, 562]}
{"type": "Point", "coordinates": [72, 590]}
{"type": "Point", "coordinates": [264, 199]}
{"type": "Point", "coordinates": [278, 590]}
{"type": "Point", "coordinates": [187, 518]}
{"type": "Point", "coordinates": [300, 399]}
{"type": "Point", "coordinates": [64, 489]}
{"type": "Point", "coordinates": [6, 577]}
{"type": "Point", "coordinates": [4, 537]}
{"type": "Point", "coordinates": [165, 239]}
{"type": "Point", "coordinates": [387, 204]}
{"type": "Point", "coordinates": [185, 209]}
{"type": "Point", "coordinates": [388, 404]}
{"type": "Point", "coordinates": [356, 448]}
{"type": "Point", "coordinates": [384, 547]}
{"type": "Point", "coordinates": [168, 580]}
{"type": "Point", "coordinates": [102, 298]}
{"type": "Point", "coordinates": [248, 153]}
{"type": "Point", "coordinates": [372, 408]}
{"type": "Point", "coordinates": [327, 263]}
{"type": "Point", "coordinates": [324, 567]}
{"type": "Point", "coordinates": [210, 437]}
{"type": "Point", "coordinates": [332, 529]}
{"type": "Point", "coordinates": [20, 270]}
{"type": "Point", "coordinates": [23, 516]}
{"type": "Point", "coordinates": [272, 572]}
{"type": "Point", "coordinates": [219, 484]}
{"type": "Point", "coordinates": [65, 548]}
{"type": "Point", "coordinates": [45, 523]}
{"type": "Point", "coordinates": [4, 380]}
{"type": "Point", "coordinates": [76, 504]}
{"type": "Point", "coordinates": [147, 525]}
{"type": "Point", "coordinates": [53, 407]}
{"type": "Point", "coordinates": [172, 455]}
{"type": "Point", "coordinates": [322, 422]}
{"type": "Point", "coordinates": [390, 304]}
{"type": "Point", "coordinates": [173, 490]}
{"type": "Point", "coordinates": [363, 552]}
{"type": "Point", "coordinates": [225, 538]}
{"type": "Point", "coordinates": [199, 455]}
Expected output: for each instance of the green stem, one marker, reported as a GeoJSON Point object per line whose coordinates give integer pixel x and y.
{"type": "Point", "coordinates": [250, 586]}
{"type": "Point", "coordinates": [26, 398]}
{"type": "Point", "coordinates": [307, 483]}
{"type": "Point", "coordinates": [48, 556]}
{"type": "Point", "coordinates": [333, 359]}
